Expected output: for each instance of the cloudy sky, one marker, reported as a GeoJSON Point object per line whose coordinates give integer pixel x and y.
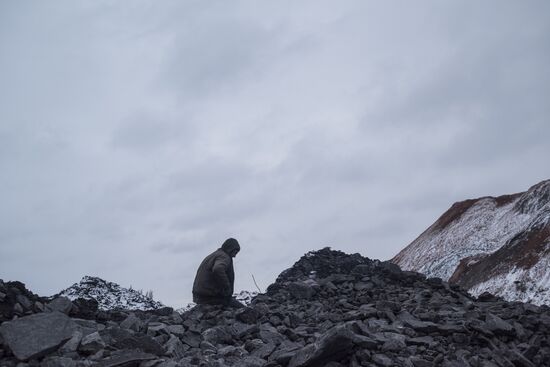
{"type": "Point", "coordinates": [136, 136]}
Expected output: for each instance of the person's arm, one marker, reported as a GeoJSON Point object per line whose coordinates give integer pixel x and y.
{"type": "Point", "coordinates": [220, 271]}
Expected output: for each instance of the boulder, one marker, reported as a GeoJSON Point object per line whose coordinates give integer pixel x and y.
{"type": "Point", "coordinates": [125, 358]}
{"type": "Point", "coordinates": [240, 330]}
{"type": "Point", "coordinates": [132, 322]}
{"type": "Point", "coordinates": [18, 309]}
{"type": "Point", "coordinates": [264, 351]}
{"type": "Point", "coordinates": [250, 361]}
{"type": "Point", "coordinates": [123, 339]}
{"type": "Point", "coordinates": [157, 328]}
{"type": "Point", "coordinates": [393, 345]}
{"type": "Point", "coordinates": [72, 344]}
{"type": "Point", "coordinates": [36, 335]}
{"type": "Point", "coordinates": [86, 308]}
{"type": "Point", "coordinates": [301, 290]}
{"type": "Point", "coordinates": [420, 362]}
{"type": "Point", "coordinates": [58, 362]}
{"type": "Point", "coordinates": [269, 334]}
{"type": "Point", "coordinates": [247, 315]}
{"type": "Point", "coordinates": [61, 304]}
{"type": "Point", "coordinates": [24, 301]}
{"type": "Point", "coordinates": [192, 339]}
{"type": "Point", "coordinates": [497, 325]}
{"type": "Point", "coordinates": [330, 346]}
{"type": "Point", "coordinates": [175, 348]}
{"type": "Point", "coordinates": [91, 344]}
{"type": "Point", "coordinates": [217, 335]}
{"type": "Point", "coordinates": [420, 326]}
{"type": "Point", "coordinates": [382, 360]}
{"type": "Point", "coordinates": [177, 330]}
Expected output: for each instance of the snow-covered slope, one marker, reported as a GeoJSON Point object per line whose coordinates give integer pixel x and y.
{"type": "Point", "coordinates": [500, 245]}
{"type": "Point", "coordinates": [110, 295]}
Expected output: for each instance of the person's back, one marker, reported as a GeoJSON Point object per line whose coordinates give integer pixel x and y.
{"type": "Point", "coordinates": [214, 282]}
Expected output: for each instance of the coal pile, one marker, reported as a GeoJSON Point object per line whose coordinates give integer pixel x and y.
{"type": "Point", "coordinates": [330, 309]}
{"type": "Point", "coordinates": [17, 300]}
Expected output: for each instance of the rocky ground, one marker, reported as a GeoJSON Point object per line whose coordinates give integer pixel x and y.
{"type": "Point", "coordinates": [330, 309]}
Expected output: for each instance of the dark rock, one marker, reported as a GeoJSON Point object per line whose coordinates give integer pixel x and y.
{"type": "Point", "coordinates": [449, 329]}
{"type": "Point", "coordinates": [72, 344]}
{"type": "Point", "coordinates": [302, 357]}
{"type": "Point", "coordinates": [420, 362]}
{"type": "Point", "coordinates": [330, 346]}
{"type": "Point", "coordinates": [421, 326]}
{"type": "Point", "coordinates": [247, 315]}
{"type": "Point", "coordinates": [24, 301]}
{"type": "Point", "coordinates": [390, 267]}
{"type": "Point", "coordinates": [85, 308]}
{"type": "Point", "coordinates": [486, 297]}
{"type": "Point", "coordinates": [253, 344]}
{"type": "Point", "coordinates": [531, 308]}
{"type": "Point", "coordinates": [361, 269]}
{"type": "Point", "coordinates": [125, 358]}
{"type": "Point", "coordinates": [251, 361]}
{"type": "Point", "coordinates": [393, 345]}
{"type": "Point", "coordinates": [217, 335]}
{"type": "Point", "coordinates": [301, 290]}
{"type": "Point", "coordinates": [15, 299]}
{"type": "Point", "coordinates": [163, 311]}
{"type": "Point", "coordinates": [18, 309]}
{"type": "Point", "coordinates": [240, 330]}
{"type": "Point", "coordinates": [58, 362]}
{"type": "Point", "coordinates": [157, 328]}
{"type": "Point", "coordinates": [91, 344]}
{"type": "Point", "coordinates": [175, 348]}
{"type": "Point", "coordinates": [264, 351]}
{"type": "Point", "coordinates": [39, 306]}
{"type": "Point", "coordinates": [269, 334]}
{"type": "Point", "coordinates": [528, 350]}
{"type": "Point", "coordinates": [207, 347]}
{"type": "Point", "coordinates": [177, 330]}
{"type": "Point", "coordinates": [498, 326]}
{"type": "Point", "coordinates": [461, 338]}
{"type": "Point", "coordinates": [132, 322]}
{"type": "Point", "coordinates": [422, 340]}
{"type": "Point", "coordinates": [61, 304]}
{"type": "Point", "coordinates": [122, 339]}
{"type": "Point", "coordinates": [88, 326]}
{"type": "Point", "coordinates": [388, 305]}
{"type": "Point", "coordinates": [382, 360]}
{"type": "Point", "coordinates": [364, 342]}
{"type": "Point", "coordinates": [192, 339]}
{"type": "Point", "coordinates": [36, 335]}
{"type": "Point", "coordinates": [518, 359]}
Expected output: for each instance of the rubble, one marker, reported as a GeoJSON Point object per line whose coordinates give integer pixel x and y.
{"type": "Point", "coordinates": [329, 310]}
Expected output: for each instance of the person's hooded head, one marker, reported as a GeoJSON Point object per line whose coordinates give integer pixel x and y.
{"type": "Point", "coordinates": [231, 247]}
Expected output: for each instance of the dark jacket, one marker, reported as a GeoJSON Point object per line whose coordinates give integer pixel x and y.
{"type": "Point", "coordinates": [215, 279]}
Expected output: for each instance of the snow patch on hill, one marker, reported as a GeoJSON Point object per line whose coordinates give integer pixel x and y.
{"type": "Point", "coordinates": [482, 229]}
{"type": "Point", "coordinates": [110, 295]}
{"type": "Point", "coordinates": [525, 285]}
{"type": "Point", "coordinates": [499, 245]}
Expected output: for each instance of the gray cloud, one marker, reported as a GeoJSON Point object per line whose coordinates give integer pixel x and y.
{"type": "Point", "coordinates": [134, 140]}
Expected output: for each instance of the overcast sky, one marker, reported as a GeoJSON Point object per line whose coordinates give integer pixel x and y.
{"type": "Point", "coordinates": [136, 136]}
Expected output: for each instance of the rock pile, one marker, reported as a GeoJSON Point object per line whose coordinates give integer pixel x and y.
{"type": "Point", "coordinates": [330, 309]}
{"type": "Point", "coordinates": [16, 300]}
